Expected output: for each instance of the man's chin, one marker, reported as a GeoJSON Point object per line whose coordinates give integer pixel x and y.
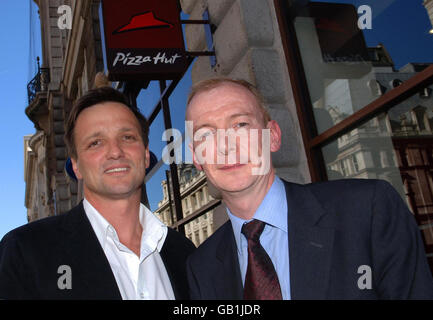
{"type": "Point", "coordinates": [117, 193]}
{"type": "Point", "coordinates": [233, 185]}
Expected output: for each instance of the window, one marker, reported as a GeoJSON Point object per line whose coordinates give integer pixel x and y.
{"type": "Point", "coordinates": [343, 168]}
{"type": "Point", "coordinates": [355, 163]}
{"type": "Point", "coordinates": [205, 233]}
{"type": "Point", "coordinates": [395, 83]}
{"type": "Point", "coordinates": [425, 93]}
{"type": "Point", "coordinates": [196, 237]}
{"type": "Point", "coordinates": [420, 116]}
{"type": "Point", "coordinates": [199, 197]}
{"type": "Point", "coordinates": [193, 202]}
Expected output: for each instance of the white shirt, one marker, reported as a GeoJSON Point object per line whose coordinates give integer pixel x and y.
{"type": "Point", "coordinates": [138, 278]}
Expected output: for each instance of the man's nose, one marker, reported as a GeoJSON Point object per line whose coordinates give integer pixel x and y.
{"type": "Point", "coordinates": [224, 144]}
{"type": "Point", "coordinates": [221, 141]}
{"type": "Point", "coordinates": [115, 150]}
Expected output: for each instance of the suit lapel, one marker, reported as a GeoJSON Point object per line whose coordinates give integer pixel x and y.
{"type": "Point", "coordinates": [92, 274]}
{"type": "Point", "coordinates": [227, 278]}
{"type": "Point", "coordinates": [173, 256]}
{"type": "Point", "coordinates": [310, 244]}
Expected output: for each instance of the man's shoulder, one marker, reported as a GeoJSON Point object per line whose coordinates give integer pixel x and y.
{"type": "Point", "coordinates": [208, 248]}
{"type": "Point", "coordinates": [177, 242]}
{"type": "Point", "coordinates": [39, 230]}
{"type": "Point", "coordinates": [177, 238]}
{"type": "Point", "coordinates": [340, 184]}
{"type": "Point", "coordinates": [343, 189]}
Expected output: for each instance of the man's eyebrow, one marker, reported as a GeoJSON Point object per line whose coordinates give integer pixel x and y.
{"type": "Point", "coordinates": [125, 129]}
{"type": "Point", "coordinates": [233, 116]}
{"type": "Point", "coordinates": [202, 126]}
{"type": "Point", "coordinates": [236, 115]}
{"type": "Point", "coordinates": [92, 136]}
{"type": "Point", "coordinates": [99, 133]}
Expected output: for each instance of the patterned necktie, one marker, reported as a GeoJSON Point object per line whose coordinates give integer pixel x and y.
{"type": "Point", "coordinates": [261, 280]}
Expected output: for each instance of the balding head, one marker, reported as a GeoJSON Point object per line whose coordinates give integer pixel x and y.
{"type": "Point", "coordinates": [210, 84]}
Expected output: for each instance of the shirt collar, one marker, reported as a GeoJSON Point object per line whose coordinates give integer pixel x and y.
{"type": "Point", "coordinates": [152, 237]}
{"type": "Point", "coordinates": [272, 211]}
{"type": "Point", "coordinates": [154, 231]}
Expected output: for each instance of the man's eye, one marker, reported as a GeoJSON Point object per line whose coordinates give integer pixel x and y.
{"type": "Point", "coordinates": [129, 138]}
{"type": "Point", "coordinates": [94, 144]}
{"type": "Point", "coordinates": [241, 124]}
{"type": "Point", "coordinates": [204, 134]}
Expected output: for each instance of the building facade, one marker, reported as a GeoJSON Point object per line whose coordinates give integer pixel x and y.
{"type": "Point", "coordinates": [70, 60]}
{"type": "Point", "coordinates": [195, 194]}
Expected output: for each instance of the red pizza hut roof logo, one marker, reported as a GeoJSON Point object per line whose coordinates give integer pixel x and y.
{"type": "Point", "coordinates": [146, 20]}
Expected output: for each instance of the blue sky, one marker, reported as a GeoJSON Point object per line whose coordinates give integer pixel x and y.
{"type": "Point", "coordinates": [14, 124]}
{"type": "Point", "coordinates": [146, 101]}
{"type": "Point", "coordinates": [402, 25]}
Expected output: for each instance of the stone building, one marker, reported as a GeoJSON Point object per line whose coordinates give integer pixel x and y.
{"type": "Point", "coordinates": [70, 61]}
{"type": "Point", "coordinates": [195, 194]}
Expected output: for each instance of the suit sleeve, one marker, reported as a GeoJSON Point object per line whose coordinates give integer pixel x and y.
{"type": "Point", "coordinates": [400, 269]}
{"type": "Point", "coordinates": [12, 270]}
{"type": "Point", "coordinates": [194, 289]}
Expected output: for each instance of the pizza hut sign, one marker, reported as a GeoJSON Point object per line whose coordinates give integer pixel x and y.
{"type": "Point", "coordinates": [143, 39]}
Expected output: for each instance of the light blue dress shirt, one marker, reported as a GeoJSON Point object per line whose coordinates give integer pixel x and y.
{"type": "Point", "coordinates": [274, 239]}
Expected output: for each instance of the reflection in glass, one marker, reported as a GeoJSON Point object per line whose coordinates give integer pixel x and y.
{"type": "Point", "coordinates": [396, 146]}
{"type": "Point", "coordinates": [346, 67]}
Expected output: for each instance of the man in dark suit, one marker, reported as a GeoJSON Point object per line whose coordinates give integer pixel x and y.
{"type": "Point", "coordinates": [110, 246]}
{"type": "Point", "coordinates": [347, 239]}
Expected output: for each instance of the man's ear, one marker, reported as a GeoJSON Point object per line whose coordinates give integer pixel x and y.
{"type": "Point", "coordinates": [275, 132]}
{"type": "Point", "coordinates": [196, 164]}
{"type": "Point", "coordinates": [75, 168]}
{"type": "Point", "coordinates": [147, 157]}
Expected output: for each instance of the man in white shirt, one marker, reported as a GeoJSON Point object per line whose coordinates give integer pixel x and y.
{"type": "Point", "coordinates": [110, 246]}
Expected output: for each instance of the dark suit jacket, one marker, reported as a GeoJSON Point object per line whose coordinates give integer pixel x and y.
{"type": "Point", "coordinates": [333, 229]}
{"type": "Point", "coordinates": [31, 255]}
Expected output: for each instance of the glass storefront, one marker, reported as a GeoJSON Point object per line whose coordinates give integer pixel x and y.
{"type": "Point", "coordinates": [358, 58]}
{"type": "Point", "coordinates": [396, 146]}
{"type": "Point", "coordinates": [346, 67]}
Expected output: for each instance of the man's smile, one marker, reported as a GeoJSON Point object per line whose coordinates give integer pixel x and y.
{"type": "Point", "coordinates": [117, 170]}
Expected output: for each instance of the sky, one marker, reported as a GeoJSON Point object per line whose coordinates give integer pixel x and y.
{"type": "Point", "coordinates": [402, 25]}
{"type": "Point", "coordinates": [14, 124]}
